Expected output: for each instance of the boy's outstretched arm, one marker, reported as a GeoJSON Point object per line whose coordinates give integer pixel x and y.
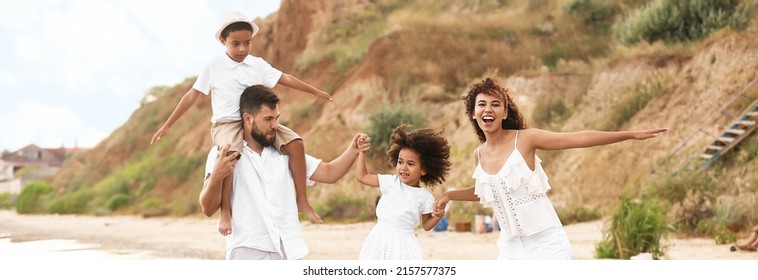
{"type": "Point", "coordinates": [334, 170]}
{"type": "Point", "coordinates": [292, 82]}
{"type": "Point", "coordinates": [187, 100]}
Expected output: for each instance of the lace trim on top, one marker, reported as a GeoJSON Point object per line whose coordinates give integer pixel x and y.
{"type": "Point", "coordinates": [516, 183]}
{"type": "Point", "coordinates": [518, 179]}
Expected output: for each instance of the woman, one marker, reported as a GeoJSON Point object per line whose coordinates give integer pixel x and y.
{"type": "Point", "coordinates": [509, 176]}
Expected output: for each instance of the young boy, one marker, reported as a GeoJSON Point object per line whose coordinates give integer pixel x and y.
{"type": "Point", "coordinates": [224, 78]}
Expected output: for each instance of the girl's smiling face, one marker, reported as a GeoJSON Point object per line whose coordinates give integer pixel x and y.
{"type": "Point", "coordinates": [409, 167]}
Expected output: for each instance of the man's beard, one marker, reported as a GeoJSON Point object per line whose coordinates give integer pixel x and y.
{"type": "Point", "coordinates": [261, 138]}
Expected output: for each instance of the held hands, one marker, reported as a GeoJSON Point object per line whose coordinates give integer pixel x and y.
{"type": "Point", "coordinates": [441, 204]}
{"type": "Point", "coordinates": [361, 142]}
{"type": "Point", "coordinates": [646, 134]}
{"type": "Point", "coordinates": [439, 213]}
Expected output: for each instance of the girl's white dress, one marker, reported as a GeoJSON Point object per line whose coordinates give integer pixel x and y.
{"type": "Point", "coordinates": [530, 228]}
{"type": "Point", "coordinates": [399, 212]}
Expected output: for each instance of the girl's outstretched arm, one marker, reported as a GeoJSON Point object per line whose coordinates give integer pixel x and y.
{"type": "Point", "coordinates": [361, 172]}
{"type": "Point", "coordinates": [429, 221]}
{"type": "Point", "coordinates": [547, 140]}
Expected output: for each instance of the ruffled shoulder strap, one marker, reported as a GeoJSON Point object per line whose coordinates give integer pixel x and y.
{"type": "Point", "coordinates": [483, 183]}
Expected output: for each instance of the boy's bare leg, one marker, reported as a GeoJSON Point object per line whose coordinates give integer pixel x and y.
{"type": "Point", "coordinates": [296, 151]}
{"type": "Point", "coordinates": [225, 222]}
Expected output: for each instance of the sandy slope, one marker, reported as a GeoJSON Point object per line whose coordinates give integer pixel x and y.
{"type": "Point", "coordinates": [196, 238]}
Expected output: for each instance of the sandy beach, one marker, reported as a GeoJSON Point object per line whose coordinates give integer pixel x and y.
{"type": "Point", "coordinates": [197, 238]}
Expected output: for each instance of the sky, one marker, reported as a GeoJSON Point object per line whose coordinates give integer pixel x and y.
{"type": "Point", "coordinates": [73, 71]}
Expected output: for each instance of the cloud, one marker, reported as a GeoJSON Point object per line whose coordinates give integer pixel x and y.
{"type": "Point", "coordinates": [47, 126]}
{"type": "Point", "coordinates": [7, 79]}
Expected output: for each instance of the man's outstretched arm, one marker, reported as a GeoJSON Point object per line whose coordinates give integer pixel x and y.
{"type": "Point", "coordinates": [334, 170]}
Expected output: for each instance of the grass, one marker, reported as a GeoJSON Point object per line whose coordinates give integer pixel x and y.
{"type": "Point", "coordinates": [632, 103]}
{"type": "Point", "coordinates": [578, 214]}
{"type": "Point", "coordinates": [637, 226]}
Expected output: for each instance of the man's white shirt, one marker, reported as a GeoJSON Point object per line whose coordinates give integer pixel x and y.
{"type": "Point", "coordinates": [264, 209]}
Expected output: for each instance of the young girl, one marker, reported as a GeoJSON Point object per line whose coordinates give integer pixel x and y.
{"type": "Point", "coordinates": [420, 156]}
{"type": "Point", "coordinates": [509, 176]}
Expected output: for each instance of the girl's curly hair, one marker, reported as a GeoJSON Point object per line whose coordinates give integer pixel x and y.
{"type": "Point", "coordinates": [432, 147]}
{"type": "Point", "coordinates": [488, 86]}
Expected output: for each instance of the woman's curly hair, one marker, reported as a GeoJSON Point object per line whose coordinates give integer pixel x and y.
{"type": "Point", "coordinates": [488, 86]}
{"type": "Point", "coordinates": [432, 147]}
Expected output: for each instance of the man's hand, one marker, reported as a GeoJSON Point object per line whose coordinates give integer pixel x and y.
{"type": "Point", "coordinates": [225, 162]}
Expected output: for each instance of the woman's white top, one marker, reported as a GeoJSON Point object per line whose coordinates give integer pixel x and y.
{"type": "Point", "coordinates": [517, 195]}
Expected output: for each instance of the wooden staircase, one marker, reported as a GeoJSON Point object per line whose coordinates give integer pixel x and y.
{"type": "Point", "coordinates": [731, 136]}
{"type": "Point", "coordinates": [738, 127]}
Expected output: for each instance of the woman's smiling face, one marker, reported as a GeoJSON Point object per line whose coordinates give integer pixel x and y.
{"type": "Point", "coordinates": [489, 112]}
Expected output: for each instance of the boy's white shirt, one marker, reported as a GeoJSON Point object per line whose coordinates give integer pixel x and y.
{"type": "Point", "coordinates": [225, 79]}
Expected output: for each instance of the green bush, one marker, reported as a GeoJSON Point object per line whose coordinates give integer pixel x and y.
{"type": "Point", "coordinates": [30, 199]}
{"type": "Point", "coordinates": [181, 166]}
{"type": "Point", "coordinates": [636, 227]}
{"type": "Point", "coordinates": [578, 214]}
{"type": "Point", "coordinates": [387, 119]}
{"type": "Point", "coordinates": [590, 11]}
{"type": "Point", "coordinates": [550, 113]}
{"type": "Point", "coordinates": [691, 194]}
{"type": "Point", "coordinates": [641, 95]}
{"type": "Point", "coordinates": [76, 202]}
{"type": "Point", "coordinates": [153, 207]}
{"type": "Point", "coordinates": [7, 201]}
{"type": "Point", "coordinates": [679, 21]}
{"type": "Point", "coordinates": [118, 201]}
{"type": "Point", "coordinates": [342, 208]}
{"type": "Point", "coordinates": [718, 229]}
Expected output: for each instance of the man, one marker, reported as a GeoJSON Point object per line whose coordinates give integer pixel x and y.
{"type": "Point", "coordinates": [265, 223]}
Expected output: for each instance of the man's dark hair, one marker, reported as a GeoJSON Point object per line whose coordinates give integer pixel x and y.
{"type": "Point", "coordinates": [253, 97]}
{"type": "Point", "coordinates": [236, 27]}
